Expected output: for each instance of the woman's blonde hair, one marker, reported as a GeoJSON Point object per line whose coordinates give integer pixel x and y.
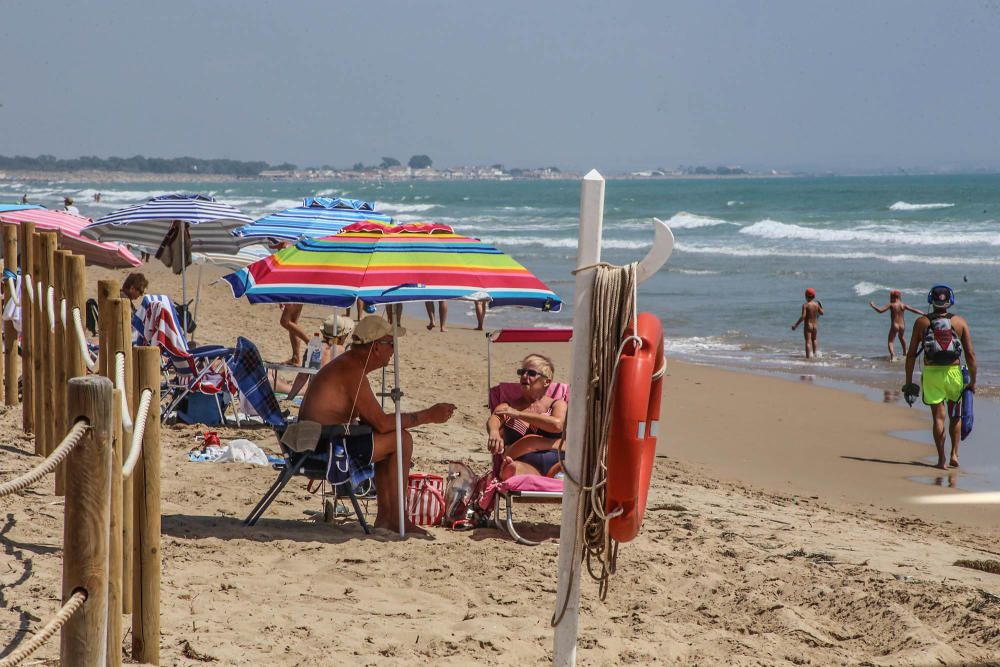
{"type": "Point", "coordinates": [542, 362]}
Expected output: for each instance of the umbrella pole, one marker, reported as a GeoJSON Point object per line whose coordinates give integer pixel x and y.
{"type": "Point", "coordinates": [397, 397]}
{"type": "Point", "coordinates": [197, 293]}
{"type": "Point", "coordinates": [184, 318]}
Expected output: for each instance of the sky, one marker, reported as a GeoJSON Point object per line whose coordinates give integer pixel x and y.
{"type": "Point", "coordinates": [618, 86]}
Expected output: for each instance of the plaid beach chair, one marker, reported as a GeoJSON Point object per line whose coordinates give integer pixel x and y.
{"type": "Point", "coordinates": [201, 370]}
{"type": "Point", "coordinates": [247, 368]}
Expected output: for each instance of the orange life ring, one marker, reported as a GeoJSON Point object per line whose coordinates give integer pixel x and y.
{"type": "Point", "coordinates": [635, 415]}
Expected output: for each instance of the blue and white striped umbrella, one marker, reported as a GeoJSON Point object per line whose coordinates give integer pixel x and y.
{"type": "Point", "coordinates": [211, 223]}
{"type": "Point", "coordinates": [318, 216]}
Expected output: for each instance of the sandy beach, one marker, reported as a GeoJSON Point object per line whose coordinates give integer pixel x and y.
{"type": "Point", "coordinates": [780, 531]}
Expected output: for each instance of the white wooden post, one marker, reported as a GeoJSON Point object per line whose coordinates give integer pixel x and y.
{"type": "Point", "coordinates": [588, 252]}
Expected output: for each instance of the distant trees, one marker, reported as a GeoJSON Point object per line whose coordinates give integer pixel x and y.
{"type": "Point", "coordinates": [139, 164]}
{"type": "Point", "coordinates": [388, 162]}
{"type": "Point", "coordinates": [419, 162]}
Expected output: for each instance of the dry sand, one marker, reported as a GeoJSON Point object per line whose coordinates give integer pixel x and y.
{"type": "Point", "coordinates": [779, 532]}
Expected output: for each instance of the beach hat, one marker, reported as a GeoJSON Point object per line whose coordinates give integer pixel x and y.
{"type": "Point", "coordinates": [68, 200]}
{"type": "Point", "coordinates": [941, 296]}
{"type": "Point", "coordinates": [337, 325]}
{"type": "Point", "coordinates": [373, 327]}
{"type": "Point", "coordinates": [810, 292]}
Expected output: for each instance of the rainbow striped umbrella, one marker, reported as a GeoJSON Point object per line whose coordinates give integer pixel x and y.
{"type": "Point", "coordinates": [411, 262]}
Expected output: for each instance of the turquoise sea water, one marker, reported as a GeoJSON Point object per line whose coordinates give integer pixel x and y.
{"type": "Point", "coordinates": [746, 249]}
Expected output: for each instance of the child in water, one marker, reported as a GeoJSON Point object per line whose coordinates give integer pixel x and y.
{"type": "Point", "coordinates": [897, 325]}
{"type": "Point", "coordinates": [811, 310]}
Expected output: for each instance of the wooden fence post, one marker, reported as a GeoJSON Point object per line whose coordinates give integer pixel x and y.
{"type": "Point", "coordinates": [38, 327]}
{"type": "Point", "coordinates": [76, 365]}
{"type": "Point", "coordinates": [26, 231]}
{"type": "Point", "coordinates": [146, 486]}
{"type": "Point", "coordinates": [106, 289]}
{"type": "Point", "coordinates": [48, 385]}
{"type": "Point", "coordinates": [114, 628]}
{"type": "Point", "coordinates": [65, 337]}
{"type": "Point", "coordinates": [11, 370]}
{"type": "Point", "coordinates": [85, 541]}
{"type": "Point", "coordinates": [121, 318]}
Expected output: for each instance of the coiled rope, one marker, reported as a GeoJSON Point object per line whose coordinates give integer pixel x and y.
{"type": "Point", "coordinates": [13, 292]}
{"type": "Point", "coordinates": [50, 463]}
{"type": "Point", "coordinates": [81, 338]}
{"type": "Point", "coordinates": [614, 302]}
{"type": "Point", "coordinates": [120, 384]}
{"type": "Point", "coordinates": [74, 602]}
{"type": "Point", "coordinates": [141, 415]}
{"type": "Point", "coordinates": [50, 300]}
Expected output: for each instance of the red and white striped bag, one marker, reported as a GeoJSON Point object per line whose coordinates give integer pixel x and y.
{"type": "Point", "coordinates": [425, 499]}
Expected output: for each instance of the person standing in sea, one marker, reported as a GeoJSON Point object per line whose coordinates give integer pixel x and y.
{"type": "Point", "coordinates": [811, 310]}
{"type": "Point", "coordinates": [897, 323]}
{"type": "Point", "coordinates": [943, 337]}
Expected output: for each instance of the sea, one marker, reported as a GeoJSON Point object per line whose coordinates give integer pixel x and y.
{"type": "Point", "coordinates": [745, 251]}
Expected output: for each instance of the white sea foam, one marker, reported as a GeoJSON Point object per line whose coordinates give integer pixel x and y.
{"type": "Point", "coordinates": [696, 344]}
{"type": "Point", "coordinates": [865, 288]}
{"type": "Point", "coordinates": [734, 202]}
{"type": "Point", "coordinates": [548, 242]}
{"type": "Point", "coordinates": [729, 251]}
{"type": "Point", "coordinates": [881, 234]}
{"type": "Point", "coordinates": [694, 272]}
{"type": "Point", "coordinates": [685, 220]}
{"type": "Point", "coordinates": [907, 206]}
{"type": "Point", "coordinates": [396, 207]}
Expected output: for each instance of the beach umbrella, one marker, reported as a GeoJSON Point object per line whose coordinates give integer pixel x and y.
{"type": "Point", "coordinates": [107, 255]}
{"type": "Point", "coordinates": [208, 223]}
{"type": "Point", "coordinates": [232, 261]}
{"type": "Point", "coordinates": [382, 265]}
{"type": "Point", "coordinates": [318, 216]}
{"type": "Point", "coordinates": [411, 262]}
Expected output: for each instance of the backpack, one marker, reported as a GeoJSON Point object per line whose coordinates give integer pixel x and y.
{"type": "Point", "coordinates": [941, 343]}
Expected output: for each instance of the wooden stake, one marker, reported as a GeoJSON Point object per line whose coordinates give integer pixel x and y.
{"type": "Point", "coordinates": [46, 417]}
{"type": "Point", "coordinates": [11, 366]}
{"type": "Point", "coordinates": [25, 249]}
{"type": "Point", "coordinates": [106, 289]}
{"type": "Point", "coordinates": [114, 633]}
{"type": "Point", "coordinates": [121, 318]}
{"type": "Point", "coordinates": [61, 352]}
{"type": "Point", "coordinates": [38, 326]}
{"type": "Point", "coordinates": [85, 541]}
{"type": "Point", "coordinates": [146, 483]}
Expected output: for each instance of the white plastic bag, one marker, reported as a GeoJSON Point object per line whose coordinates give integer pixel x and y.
{"type": "Point", "coordinates": [242, 451]}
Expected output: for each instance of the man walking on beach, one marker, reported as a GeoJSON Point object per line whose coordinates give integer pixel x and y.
{"type": "Point", "coordinates": [942, 336]}
{"type": "Point", "coordinates": [897, 325]}
{"type": "Point", "coordinates": [341, 392]}
{"type": "Point", "coordinates": [811, 310]}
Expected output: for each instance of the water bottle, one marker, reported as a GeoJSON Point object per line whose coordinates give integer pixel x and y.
{"type": "Point", "coordinates": [314, 351]}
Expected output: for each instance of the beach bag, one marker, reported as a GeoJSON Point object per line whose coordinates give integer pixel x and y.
{"type": "Point", "coordinates": [425, 499]}
{"type": "Point", "coordinates": [458, 495]}
{"type": "Point", "coordinates": [941, 344]}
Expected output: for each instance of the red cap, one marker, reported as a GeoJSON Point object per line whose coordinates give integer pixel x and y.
{"type": "Point", "coordinates": [810, 293]}
{"type": "Point", "coordinates": [894, 292]}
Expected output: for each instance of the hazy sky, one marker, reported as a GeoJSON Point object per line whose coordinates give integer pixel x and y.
{"type": "Point", "coordinates": [612, 85]}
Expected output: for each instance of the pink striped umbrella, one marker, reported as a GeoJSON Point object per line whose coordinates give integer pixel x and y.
{"type": "Point", "coordinates": [108, 255]}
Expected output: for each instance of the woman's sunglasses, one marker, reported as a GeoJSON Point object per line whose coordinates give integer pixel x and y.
{"type": "Point", "coordinates": [530, 372]}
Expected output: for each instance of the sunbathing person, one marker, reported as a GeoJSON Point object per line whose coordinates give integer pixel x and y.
{"type": "Point", "coordinates": [340, 393]}
{"type": "Point", "coordinates": [528, 431]}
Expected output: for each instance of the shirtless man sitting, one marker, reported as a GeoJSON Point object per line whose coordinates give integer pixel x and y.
{"type": "Point", "coordinates": [340, 392]}
{"type": "Point", "coordinates": [897, 324]}
{"type": "Point", "coordinates": [811, 310]}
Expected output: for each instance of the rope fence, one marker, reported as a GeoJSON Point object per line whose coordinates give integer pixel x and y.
{"type": "Point", "coordinates": [81, 338]}
{"type": "Point", "coordinates": [137, 435]}
{"type": "Point", "coordinates": [50, 463]}
{"type": "Point", "coordinates": [51, 628]}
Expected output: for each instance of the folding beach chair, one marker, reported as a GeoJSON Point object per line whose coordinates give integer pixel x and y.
{"type": "Point", "coordinates": [247, 368]}
{"type": "Point", "coordinates": [521, 488]}
{"type": "Point", "coordinates": [200, 370]}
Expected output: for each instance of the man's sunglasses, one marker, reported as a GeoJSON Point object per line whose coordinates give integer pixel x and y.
{"type": "Point", "coordinates": [530, 372]}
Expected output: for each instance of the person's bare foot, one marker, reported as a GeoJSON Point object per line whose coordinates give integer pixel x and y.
{"type": "Point", "coordinates": [478, 329]}
{"type": "Point", "coordinates": [443, 329]}
{"type": "Point", "coordinates": [430, 327]}
{"type": "Point", "coordinates": [953, 463]}
{"type": "Point", "coordinates": [292, 361]}
{"type": "Point", "coordinates": [941, 465]}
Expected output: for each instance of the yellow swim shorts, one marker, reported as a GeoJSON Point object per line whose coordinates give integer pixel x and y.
{"type": "Point", "coordinates": [941, 383]}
